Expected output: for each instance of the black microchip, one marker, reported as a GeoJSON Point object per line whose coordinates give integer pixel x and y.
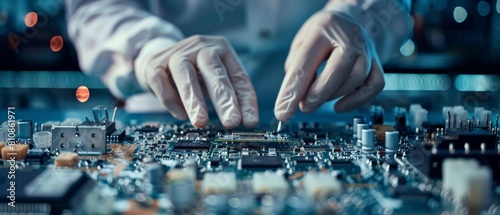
{"type": "Point", "coordinates": [147, 129]}
{"type": "Point", "coordinates": [215, 161]}
{"type": "Point", "coordinates": [268, 162]}
{"type": "Point", "coordinates": [304, 160]}
{"type": "Point", "coordinates": [315, 148]}
{"type": "Point", "coordinates": [37, 157]}
{"type": "Point", "coordinates": [341, 161]}
{"type": "Point", "coordinates": [60, 189]}
{"type": "Point", "coordinates": [191, 145]}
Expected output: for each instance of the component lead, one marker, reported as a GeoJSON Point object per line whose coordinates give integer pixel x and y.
{"type": "Point", "coordinates": [497, 123]}
{"type": "Point", "coordinates": [449, 119]}
{"type": "Point", "coordinates": [114, 114]}
{"type": "Point", "coordinates": [107, 115]}
{"type": "Point", "coordinates": [279, 126]}
{"type": "Point", "coordinates": [96, 118]}
{"type": "Point", "coordinates": [487, 119]}
{"type": "Point", "coordinates": [455, 120]}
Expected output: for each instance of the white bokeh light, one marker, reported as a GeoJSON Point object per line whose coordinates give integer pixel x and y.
{"type": "Point", "coordinates": [408, 48]}
{"type": "Point", "coordinates": [459, 14]}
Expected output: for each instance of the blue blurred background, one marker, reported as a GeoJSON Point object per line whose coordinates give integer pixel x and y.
{"type": "Point", "coordinates": [453, 58]}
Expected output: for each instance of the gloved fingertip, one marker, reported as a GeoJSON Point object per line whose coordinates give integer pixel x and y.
{"type": "Point", "coordinates": [231, 122]}
{"type": "Point", "coordinates": [250, 120]}
{"type": "Point", "coordinates": [282, 115]}
{"type": "Point", "coordinates": [200, 122]}
{"type": "Point", "coordinates": [307, 107]}
{"type": "Point", "coordinates": [179, 115]}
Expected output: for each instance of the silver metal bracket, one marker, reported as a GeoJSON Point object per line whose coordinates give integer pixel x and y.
{"type": "Point", "coordinates": [81, 139]}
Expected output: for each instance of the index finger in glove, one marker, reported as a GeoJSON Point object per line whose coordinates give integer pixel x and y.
{"type": "Point", "coordinates": [245, 93]}
{"type": "Point", "coordinates": [372, 86]}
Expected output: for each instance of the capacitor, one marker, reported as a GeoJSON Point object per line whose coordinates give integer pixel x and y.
{"type": "Point", "coordinates": [391, 142]}
{"type": "Point", "coordinates": [400, 117]}
{"type": "Point", "coordinates": [24, 129]}
{"type": "Point", "coordinates": [42, 139]}
{"type": "Point", "coordinates": [358, 133]}
{"type": "Point", "coordinates": [377, 115]}
{"type": "Point", "coordinates": [355, 121]}
{"type": "Point", "coordinates": [367, 140]}
{"type": "Point", "coordinates": [181, 188]}
{"type": "Point", "coordinates": [154, 176]}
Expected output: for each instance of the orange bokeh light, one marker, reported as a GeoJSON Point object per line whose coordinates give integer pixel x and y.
{"type": "Point", "coordinates": [82, 94]}
{"type": "Point", "coordinates": [31, 19]}
{"type": "Point", "coordinates": [56, 43]}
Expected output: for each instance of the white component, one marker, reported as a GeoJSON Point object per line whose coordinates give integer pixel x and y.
{"type": "Point", "coordinates": [391, 142]}
{"type": "Point", "coordinates": [318, 184]}
{"type": "Point", "coordinates": [359, 129]}
{"type": "Point", "coordinates": [218, 183]}
{"type": "Point", "coordinates": [461, 115]}
{"type": "Point", "coordinates": [355, 122]}
{"type": "Point", "coordinates": [479, 193]}
{"type": "Point", "coordinates": [367, 138]}
{"type": "Point", "coordinates": [269, 183]}
{"type": "Point", "coordinates": [42, 139]}
{"type": "Point", "coordinates": [272, 151]}
{"type": "Point", "coordinates": [464, 177]}
{"type": "Point", "coordinates": [244, 151]}
{"type": "Point", "coordinates": [413, 110]}
{"type": "Point", "coordinates": [458, 107]}
{"type": "Point", "coordinates": [477, 112]}
{"type": "Point", "coordinates": [420, 117]}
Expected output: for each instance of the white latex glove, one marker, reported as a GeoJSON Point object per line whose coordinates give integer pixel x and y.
{"type": "Point", "coordinates": [178, 73]}
{"type": "Point", "coordinates": [353, 68]}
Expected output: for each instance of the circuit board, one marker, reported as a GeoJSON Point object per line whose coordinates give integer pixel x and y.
{"type": "Point", "coordinates": [366, 166]}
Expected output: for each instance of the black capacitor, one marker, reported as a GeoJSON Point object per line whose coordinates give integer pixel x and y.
{"type": "Point", "coordinates": [377, 115]}
{"type": "Point", "coordinates": [400, 117]}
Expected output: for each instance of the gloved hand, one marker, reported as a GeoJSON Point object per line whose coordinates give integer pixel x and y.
{"type": "Point", "coordinates": [347, 34]}
{"type": "Point", "coordinates": [178, 73]}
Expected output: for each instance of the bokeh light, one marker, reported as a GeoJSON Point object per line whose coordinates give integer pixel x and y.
{"type": "Point", "coordinates": [477, 82]}
{"type": "Point", "coordinates": [30, 19]}
{"type": "Point", "coordinates": [82, 94]}
{"type": "Point", "coordinates": [408, 48]}
{"type": "Point", "coordinates": [56, 43]}
{"type": "Point", "coordinates": [483, 8]}
{"type": "Point", "coordinates": [459, 14]}
{"type": "Point", "coordinates": [417, 82]}
{"type": "Point", "coordinates": [498, 6]}
{"type": "Point", "coordinates": [438, 39]}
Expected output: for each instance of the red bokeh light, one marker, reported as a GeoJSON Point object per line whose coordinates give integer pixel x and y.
{"type": "Point", "coordinates": [56, 43]}
{"type": "Point", "coordinates": [31, 19]}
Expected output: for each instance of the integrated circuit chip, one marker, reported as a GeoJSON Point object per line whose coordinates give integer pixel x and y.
{"type": "Point", "coordinates": [269, 162]}
{"type": "Point", "coordinates": [304, 160]}
{"type": "Point", "coordinates": [183, 145]}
